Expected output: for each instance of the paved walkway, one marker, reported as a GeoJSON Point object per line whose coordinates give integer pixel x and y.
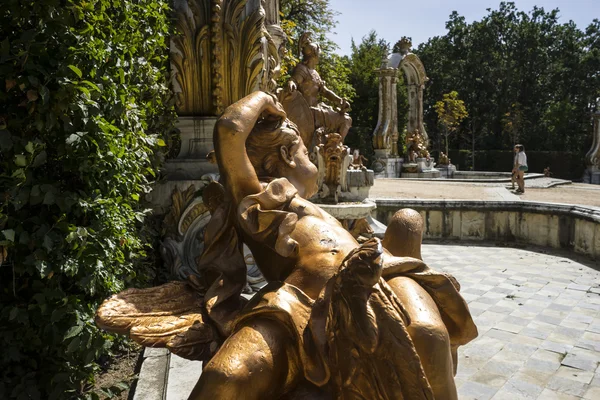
{"type": "Point", "coordinates": [538, 317]}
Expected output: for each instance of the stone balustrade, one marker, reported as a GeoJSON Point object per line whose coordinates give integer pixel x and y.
{"type": "Point", "coordinates": [571, 227]}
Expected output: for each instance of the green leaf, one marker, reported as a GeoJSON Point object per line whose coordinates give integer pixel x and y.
{"type": "Point", "coordinates": [92, 85]}
{"type": "Point", "coordinates": [18, 174]}
{"type": "Point", "coordinates": [48, 243]}
{"type": "Point", "coordinates": [6, 142]}
{"type": "Point", "coordinates": [121, 76]}
{"type": "Point", "coordinates": [43, 268]}
{"type": "Point", "coordinates": [40, 159]}
{"type": "Point", "coordinates": [45, 93]}
{"type": "Point", "coordinates": [9, 234]}
{"type": "Point", "coordinates": [135, 196]}
{"type": "Point", "coordinates": [73, 138]}
{"type": "Point", "coordinates": [76, 70]}
{"type": "Point", "coordinates": [161, 143]}
{"type": "Point", "coordinates": [122, 385]}
{"type": "Point", "coordinates": [13, 313]}
{"type": "Point", "coordinates": [29, 147]}
{"type": "Point", "coordinates": [58, 314]}
{"type": "Point", "coordinates": [24, 238]}
{"type": "Point", "coordinates": [5, 50]}
{"type": "Point", "coordinates": [73, 331]}
{"type": "Point", "coordinates": [49, 198]}
{"type": "Point", "coordinates": [84, 90]}
{"type": "Point", "coordinates": [20, 160]}
{"type": "Point", "coordinates": [73, 345]}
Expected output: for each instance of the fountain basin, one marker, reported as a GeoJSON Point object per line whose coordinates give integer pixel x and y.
{"type": "Point", "coordinates": [349, 210]}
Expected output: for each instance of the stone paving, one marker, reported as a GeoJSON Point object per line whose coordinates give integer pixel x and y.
{"type": "Point", "coordinates": [538, 316]}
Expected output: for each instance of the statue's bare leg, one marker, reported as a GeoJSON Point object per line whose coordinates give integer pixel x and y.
{"type": "Point", "coordinates": [253, 363]}
{"type": "Point", "coordinates": [427, 330]}
{"type": "Point", "coordinates": [430, 336]}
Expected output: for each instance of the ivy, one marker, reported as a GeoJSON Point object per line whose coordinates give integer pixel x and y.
{"type": "Point", "coordinates": [84, 108]}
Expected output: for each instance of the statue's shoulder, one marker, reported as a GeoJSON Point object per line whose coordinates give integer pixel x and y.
{"type": "Point", "coordinates": [302, 70]}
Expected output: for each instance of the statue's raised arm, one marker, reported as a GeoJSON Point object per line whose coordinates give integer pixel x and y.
{"type": "Point", "coordinates": [230, 135]}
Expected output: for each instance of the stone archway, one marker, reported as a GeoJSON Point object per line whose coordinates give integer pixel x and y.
{"type": "Point", "coordinates": [386, 134]}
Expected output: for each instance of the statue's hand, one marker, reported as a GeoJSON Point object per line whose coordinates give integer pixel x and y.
{"type": "Point", "coordinates": [273, 110]}
{"type": "Point", "coordinates": [345, 106]}
{"type": "Point", "coordinates": [291, 86]}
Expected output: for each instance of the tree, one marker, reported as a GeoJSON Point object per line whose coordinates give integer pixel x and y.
{"type": "Point", "coordinates": [451, 112]}
{"type": "Point", "coordinates": [519, 73]}
{"type": "Point", "coordinates": [513, 121]}
{"type": "Point", "coordinates": [366, 58]}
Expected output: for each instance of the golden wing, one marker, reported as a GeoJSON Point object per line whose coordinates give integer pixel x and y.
{"type": "Point", "coordinates": [169, 316]}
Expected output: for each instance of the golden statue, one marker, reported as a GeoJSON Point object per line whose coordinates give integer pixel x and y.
{"type": "Point", "coordinates": [444, 160]}
{"type": "Point", "coordinates": [337, 320]}
{"type": "Point", "coordinates": [416, 145]}
{"type": "Point", "coordinates": [358, 161]}
{"type": "Point", "coordinates": [300, 98]}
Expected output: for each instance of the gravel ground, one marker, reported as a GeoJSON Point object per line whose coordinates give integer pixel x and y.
{"type": "Point", "coordinates": [408, 189]}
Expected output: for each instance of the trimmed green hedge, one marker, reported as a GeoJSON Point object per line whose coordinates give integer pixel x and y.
{"type": "Point", "coordinates": [84, 104]}
{"type": "Point", "coordinates": [564, 165]}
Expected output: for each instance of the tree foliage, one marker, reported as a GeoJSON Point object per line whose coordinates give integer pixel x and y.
{"type": "Point", "coordinates": [366, 58]}
{"type": "Point", "coordinates": [85, 102]}
{"type": "Point", "coordinates": [520, 73]}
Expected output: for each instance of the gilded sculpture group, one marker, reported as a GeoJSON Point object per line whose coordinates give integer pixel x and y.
{"type": "Point", "coordinates": [338, 319]}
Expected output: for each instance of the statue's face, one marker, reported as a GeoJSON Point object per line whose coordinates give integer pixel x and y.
{"type": "Point", "coordinates": [317, 51]}
{"type": "Point", "coordinates": [303, 175]}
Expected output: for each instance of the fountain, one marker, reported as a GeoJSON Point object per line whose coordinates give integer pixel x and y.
{"type": "Point", "coordinates": [417, 162]}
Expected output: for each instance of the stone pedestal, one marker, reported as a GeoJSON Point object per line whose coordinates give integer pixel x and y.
{"type": "Point", "coordinates": [387, 167]}
{"type": "Point", "coordinates": [196, 135]}
{"type": "Point", "coordinates": [446, 171]}
{"type": "Point", "coordinates": [592, 175]}
{"type": "Point", "coordinates": [592, 158]}
{"type": "Point", "coordinates": [425, 165]}
{"type": "Point", "coordinates": [359, 183]}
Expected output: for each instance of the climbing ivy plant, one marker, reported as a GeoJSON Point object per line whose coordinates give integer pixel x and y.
{"type": "Point", "coordinates": [84, 107]}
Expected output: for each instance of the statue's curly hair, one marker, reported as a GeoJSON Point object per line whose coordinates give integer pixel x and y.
{"type": "Point", "coordinates": [264, 144]}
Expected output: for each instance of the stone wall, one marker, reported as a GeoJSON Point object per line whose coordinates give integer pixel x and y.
{"type": "Point", "coordinates": [574, 228]}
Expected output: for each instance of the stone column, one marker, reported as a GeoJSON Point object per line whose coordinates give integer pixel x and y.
{"type": "Point", "coordinates": [592, 158]}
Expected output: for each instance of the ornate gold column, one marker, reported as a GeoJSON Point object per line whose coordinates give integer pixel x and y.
{"type": "Point", "coordinates": [387, 123]}
{"type": "Point", "coordinates": [223, 51]}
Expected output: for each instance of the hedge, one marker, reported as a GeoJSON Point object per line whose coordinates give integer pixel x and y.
{"type": "Point", "coordinates": [84, 105]}
{"type": "Point", "coordinates": [564, 165]}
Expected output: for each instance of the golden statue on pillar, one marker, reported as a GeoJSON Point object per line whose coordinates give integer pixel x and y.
{"type": "Point", "coordinates": [337, 320]}
{"type": "Point", "coordinates": [300, 97]}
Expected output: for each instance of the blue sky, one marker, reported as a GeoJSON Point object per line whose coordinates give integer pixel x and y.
{"type": "Point", "coordinates": [422, 19]}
